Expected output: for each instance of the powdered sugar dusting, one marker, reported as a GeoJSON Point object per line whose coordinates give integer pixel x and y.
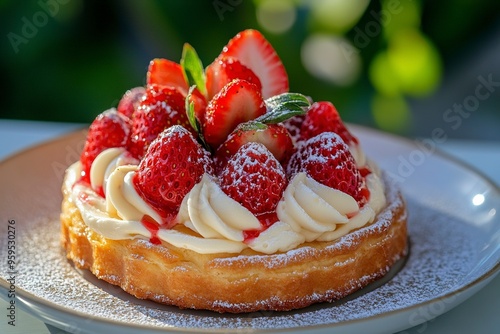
{"type": "Point", "coordinates": [443, 258]}
{"type": "Point", "coordinates": [309, 152]}
{"type": "Point", "coordinates": [253, 164]}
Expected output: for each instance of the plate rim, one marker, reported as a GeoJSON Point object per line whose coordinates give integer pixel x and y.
{"type": "Point", "coordinates": [438, 151]}
{"type": "Point", "coordinates": [485, 278]}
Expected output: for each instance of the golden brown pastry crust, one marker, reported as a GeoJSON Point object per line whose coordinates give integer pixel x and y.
{"type": "Point", "coordinates": [245, 282]}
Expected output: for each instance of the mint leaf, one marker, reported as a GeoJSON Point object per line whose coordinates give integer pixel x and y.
{"type": "Point", "coordinates": [190, 110]}
{"type": "Point", "coordinates": [284, 106]}
{"type": "Point", "coordinates": [251, 125]}
{"type": "Point", "coordinates": [195, 123]}
{"type": "Point", "coordinates": [193, 68]}
{"type": "Point", "coordinates": [287, 98]}
{"type": "Point", "coordinates": [278, 116]}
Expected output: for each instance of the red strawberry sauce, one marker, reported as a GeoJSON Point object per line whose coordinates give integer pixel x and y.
{"type": "Point", "coordinates": [365, 171]}
{"type": "Point", "coordinates": [266, 220]}
{"type": "Point", "coordinates": [100, 192]}
{"type": "Point", "coordinates": [364, 192]}
{"type": "Point", "coordinates": [83, 182]}
{"type": "Point", "coordinates": [153, 227]}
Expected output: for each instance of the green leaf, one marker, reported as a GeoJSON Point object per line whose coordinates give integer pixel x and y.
{"type": "Point", "coordinates": [284, 106]}
{"type": "Point", "coordinates": [193, 68]}
{"type": "Point", "coordinates": [195, 123]}
{"type": "Point", "coordinates": [251, 125]}
{"type": "Point", "coordinates": [278, 116]}
{"type": "Point", "coordinates": [191, 115]}
{"type": "Point", "coordinates": [285, 98]}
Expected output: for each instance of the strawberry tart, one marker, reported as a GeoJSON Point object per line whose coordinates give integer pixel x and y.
{"type": "Point", "coordinates": [216, 188]}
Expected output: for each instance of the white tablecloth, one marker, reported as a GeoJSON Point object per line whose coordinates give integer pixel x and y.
{"type": "Point", "coordinates": [479, 314]}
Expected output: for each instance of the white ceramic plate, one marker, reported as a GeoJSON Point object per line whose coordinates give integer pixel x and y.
{"type": "Point", "coordinates": [454, 229]}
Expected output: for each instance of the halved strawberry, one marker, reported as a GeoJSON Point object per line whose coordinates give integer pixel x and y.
{"type": "Point", "coordinates": [109, 129]}
{"type": "Point", "coordinates": [224, 70]}
{"type": "Point", "coordinates": [161, 107]}
{"type": "Point", "coordinates": [254, 178]}
{"type": "Point", "coordinates": [274, 137]}
{"type": "Point", "coordinates": [166, 73]}
{"type": "Point", "coordinates": [130, 101]}
{"type": "Point", "coordinates": [323, 117]}
{"type": "Point", "coordinates": [256, 53]}
{"type": "Point", "coordinates": [327, 159]}
{"type": "Point", "coordinates": [239, 101]}
{"type": "Point", "coordinates": [173, 164]}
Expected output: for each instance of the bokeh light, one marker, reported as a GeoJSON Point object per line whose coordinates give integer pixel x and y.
{"type": "Point", "coordinates": [348, 50]}
{"type": "Point", "coordinates": [337, 16]}
{"type": "Point", "coordinates": [406, 15]}
{"type": "Point", "coordinates": [276, 16]}
{"type": "Point", "coordinates": [331, 58]}
{"type": "Point", "coordinates": [391, 113]}
{"type": "Point", "coordinates": [383, 76]}
{"type": "Point", "coordinates": [415, 61]}
{"type": "Point", "coordinates": [410, 65]}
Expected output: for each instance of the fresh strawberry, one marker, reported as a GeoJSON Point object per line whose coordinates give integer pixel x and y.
{"type": "Point", "coordinates": [161, 107]}
{"type": "Point", "coordinates": [166, 73]}
{"type": "Point", "coordinates": [274, 137]}
{"type": "Point", "coordinates": [109, 129]}
{"type": "Point", "coordinates": [256, 53]}
{"type": "Point", "coordinates": [173, 164]}
{"type": "Point", "coordinates": [254, 178]}
{"type": "Point", "coordinates": [130, 101]}
{"type": "Point", "coordinates": [239, 101]}
{"type": "Point", "coordinates": [323, 117]}
{"type": "Point", "coordinates": [293, 126]}
{"type": "Point", "coordinates": [327, 159]}
{"type": "Point", "coordinates": [224, 70]}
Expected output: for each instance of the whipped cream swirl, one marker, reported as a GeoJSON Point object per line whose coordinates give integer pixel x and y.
{"type": "Point", "coordinates": [209, 221]}
{"type": "Point", "coordinates": [312, 208]}
{"type": "Point", "coordinates": [207, 210]}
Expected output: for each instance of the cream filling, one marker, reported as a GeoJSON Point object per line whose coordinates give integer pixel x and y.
{"type": "Point", "coordinates": [94, 212]}
{"type": "Point", "coordinates": [358, 155]}
{"type": "Point", "coordinates": [207, 210]}
{"type": "Point", "coordinates": [312, 209]}
{"type": "Point", "coordinates": [308, 211]}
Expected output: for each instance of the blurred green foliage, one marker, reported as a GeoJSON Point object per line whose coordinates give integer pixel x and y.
{"type": "Point", "coordinates": [68, 60]}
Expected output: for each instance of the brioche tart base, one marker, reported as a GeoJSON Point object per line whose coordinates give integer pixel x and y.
{"type": "Point", "coordinates": [246, 282]}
